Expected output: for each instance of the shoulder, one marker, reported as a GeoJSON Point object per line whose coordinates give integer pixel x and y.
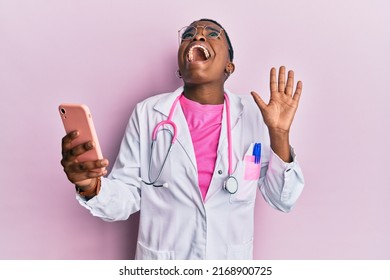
{"type": "Point", "coordinates": [158, 100]}
{"type": "Point", "coordinates": [244, 100]}
{"type": "Point", "coordinates": [153, 100]}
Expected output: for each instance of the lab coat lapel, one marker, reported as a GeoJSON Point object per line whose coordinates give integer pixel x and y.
{"type": "Point", "coordinates": [164, 106]}
{"type": "Point", "coordinates": [236, 109]}
{"type": "Point", "coordinates": [183, 141]}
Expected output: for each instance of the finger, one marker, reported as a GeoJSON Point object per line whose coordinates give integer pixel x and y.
{"type": "Point", "coordinates": [78, 177]}
{"type": "Point", "coordinates": [87, 166]}
{"type": "Point", "coordinates": [298, 91]}
{"type": "Point", "coordinates": [259, 101]}
{"type": "Point", "coordinates": [290, 83]}
{"type": "Point", "coordinates": [282, 79]}
{"type": "Point", "coordinates": [272, 80]}
{"type": "Point", "coordinates": [67, 141]}
{"type": "Point", "coordinates": [71, 154]}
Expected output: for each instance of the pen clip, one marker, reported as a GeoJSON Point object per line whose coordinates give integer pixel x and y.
{"type": "Point", "coordinates": [254, 150]}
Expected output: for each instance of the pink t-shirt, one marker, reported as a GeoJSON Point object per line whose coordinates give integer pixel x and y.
{"type": "Point", "coordinates": [204, 122]}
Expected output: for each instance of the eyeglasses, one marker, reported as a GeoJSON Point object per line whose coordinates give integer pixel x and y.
{"type": "Point", "coordinates": [189, 32]}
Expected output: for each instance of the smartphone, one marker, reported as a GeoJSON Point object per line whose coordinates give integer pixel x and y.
{"type": "Point", "coordinates": [78, 117]}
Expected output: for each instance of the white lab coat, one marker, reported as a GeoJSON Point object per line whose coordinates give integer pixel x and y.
{"type": "Point", "coordinates": [175, 223]}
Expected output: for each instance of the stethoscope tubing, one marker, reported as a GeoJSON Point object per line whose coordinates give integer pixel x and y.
{"type": "Point", "coordinates": [229, 135]}
{"type": "Point", "coordinates": [151, 181]}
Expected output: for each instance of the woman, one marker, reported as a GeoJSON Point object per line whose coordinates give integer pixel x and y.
{"type": "Point", "coordinates": [197, 199]}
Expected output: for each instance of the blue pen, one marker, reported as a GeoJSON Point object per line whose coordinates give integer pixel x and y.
{"type": "Point", "coordinates": [257, 152]}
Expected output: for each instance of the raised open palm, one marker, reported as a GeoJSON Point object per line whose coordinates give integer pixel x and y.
{"type": "Point", "coordinates": [279, 113]}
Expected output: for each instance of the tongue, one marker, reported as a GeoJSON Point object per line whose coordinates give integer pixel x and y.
{"type": "Point", "coordinates": [198, 55]}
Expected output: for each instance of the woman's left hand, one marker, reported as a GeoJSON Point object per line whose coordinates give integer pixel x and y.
{"type": "Point", "coordinates": [279, 113]}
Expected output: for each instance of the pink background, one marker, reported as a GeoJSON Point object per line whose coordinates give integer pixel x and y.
{"type": "Point", "coordinates": [112, 54]}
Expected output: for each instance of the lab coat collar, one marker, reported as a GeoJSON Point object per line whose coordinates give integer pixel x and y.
{"type": "Point", "coordinates": [236, 107]}
{"type": "Point", "coordinates": [164, 105]}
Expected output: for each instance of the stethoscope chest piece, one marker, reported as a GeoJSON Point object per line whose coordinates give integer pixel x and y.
{"type": "Point", "coordinates": [231, 185]}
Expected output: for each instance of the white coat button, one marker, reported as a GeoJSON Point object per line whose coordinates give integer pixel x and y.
{"type": "Point", "coordinates": [219, 172]}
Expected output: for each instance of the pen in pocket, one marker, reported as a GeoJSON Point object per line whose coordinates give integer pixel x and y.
{"type": "Point", "coordinates": [257, 152]}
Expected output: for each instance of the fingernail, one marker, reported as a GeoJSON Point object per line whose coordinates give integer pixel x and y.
{"type": "Point", "coordinates": [90, 145]}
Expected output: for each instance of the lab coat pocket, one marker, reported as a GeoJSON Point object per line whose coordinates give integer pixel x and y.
{"type": "Point", "coordinates": [246, 192]}
{"type": "Point", "coordinates": [247, 174]}
{"type": "Point", "coordinates": [252, 169]}
{"type": "Point", "coordinates": [144, 253]}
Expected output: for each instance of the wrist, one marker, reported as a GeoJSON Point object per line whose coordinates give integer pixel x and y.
{"type": "Point", "coordinates": [278, 132]}
{"type": "Point", "coordinates": [280, 144]}
{"type": "Point", "coordinates": [90, 191]}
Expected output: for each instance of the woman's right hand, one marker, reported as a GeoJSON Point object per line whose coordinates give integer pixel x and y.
{"type": "Point", "coordinates": [82, 174]}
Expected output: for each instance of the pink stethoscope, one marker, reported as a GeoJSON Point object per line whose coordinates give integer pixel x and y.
{"type": "Point", "coordinates": [230, 184]}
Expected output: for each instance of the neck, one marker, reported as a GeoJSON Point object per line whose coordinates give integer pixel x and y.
{"type": "Point", "coordinates": [205, 94]}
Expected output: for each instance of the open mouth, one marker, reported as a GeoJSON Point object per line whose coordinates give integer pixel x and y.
{"type": "Point", "coordinates": [198, 53]}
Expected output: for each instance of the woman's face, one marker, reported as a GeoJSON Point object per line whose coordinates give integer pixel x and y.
{"type": "Point", "coordinates": [202, 59]}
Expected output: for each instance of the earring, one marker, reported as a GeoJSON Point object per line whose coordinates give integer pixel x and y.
{"type": "Point", "coordinates": [178, 74]}
{"type": "Point", "coordinates": [229, 69]}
